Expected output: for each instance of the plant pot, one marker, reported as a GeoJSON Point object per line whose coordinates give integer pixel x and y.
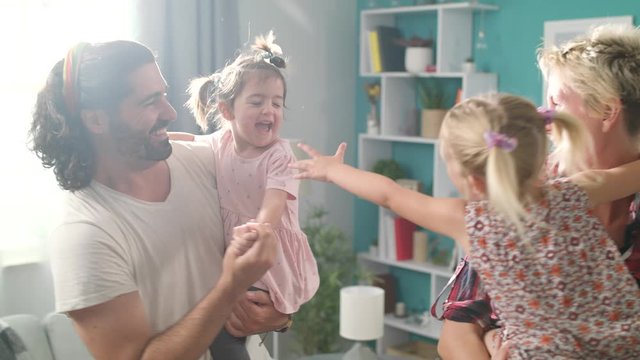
{"type": "Point", "coordinates": [373, 250]}
{"type": "Point", "coordinates": [468, 67]}
{"type": "Point", "coordinates": [373, 125]}
{"type": "Point", "coordinates": [431, 121]}
{"type": "Point", "coordinates": [416, 59]}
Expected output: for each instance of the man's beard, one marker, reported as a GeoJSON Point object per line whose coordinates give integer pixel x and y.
{"type": "Point", "coordinates": [137, 145]}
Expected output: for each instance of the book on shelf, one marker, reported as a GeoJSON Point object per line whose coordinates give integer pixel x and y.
{"type": "Point", "coordinates": [388, 283]}
{"type": "Point", "coordinates": [391, 53]}
{"type": "Point", "coordinates": [375, 63]}
{"type": "Point", "coordinates": [395, 237]}
{"type": "Point", "coordinates": [404, 238]}
{"type": "Point", "coordinates": [385, 54]}
{"type": "Point", "coordinates": [389, 234]}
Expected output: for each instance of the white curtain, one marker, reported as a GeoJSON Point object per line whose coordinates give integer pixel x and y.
{"type": "Point", "coordinates": [35, 34]}
{"type": "Point", "coordinates": [192, 38]}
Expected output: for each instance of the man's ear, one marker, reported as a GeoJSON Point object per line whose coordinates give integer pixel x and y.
{"type": "Point", "coordinates": [612, 115]}
{"type": "Point", "coordinates": [96, 121]}
{"type": "Point", "coordinates": [226, 110]}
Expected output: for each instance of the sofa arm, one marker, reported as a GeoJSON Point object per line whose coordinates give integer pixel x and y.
{"type": "Point", "coordinates": [30, 330]}
{"type": "Point", "coordinates": [63, 339]}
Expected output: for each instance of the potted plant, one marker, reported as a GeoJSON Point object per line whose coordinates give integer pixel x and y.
{"type": "Point", "coordinates": [316, 324]}
{"type": "Point", "coordinates": [433, 103]}
{"type": "Point", "coordinates": [418, 53]}
{"type": "Point", "coordinates": [373, 94]}
{"type": "Point", "coordinates": [389, 168]}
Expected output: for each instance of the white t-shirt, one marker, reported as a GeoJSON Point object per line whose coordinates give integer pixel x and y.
{"type": "Point", "coordinates": [171, 252]}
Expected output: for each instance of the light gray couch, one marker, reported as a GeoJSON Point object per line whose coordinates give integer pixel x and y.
{"type": "Point", "coordinates": [51, 338]}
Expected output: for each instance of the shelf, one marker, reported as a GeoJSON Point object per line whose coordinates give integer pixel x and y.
{"type": "Point", "coordinates": [404, 74]}
{"type": "Point", "coordinates": [397, 138]}
{"type": "Point", "coordinates": [410, 265]}
{"type": "Point", "coordinates": [431, 329]}
{"type": "Point", "coordinates": [429, 8]}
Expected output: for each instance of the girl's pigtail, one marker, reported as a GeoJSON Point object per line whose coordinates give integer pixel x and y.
{"type": "Point", "coordinates": [572, 144]}
{"type": "Point", "coordinates": [503, 187]}
{"type": "Point", "coordinates": [202, 100]}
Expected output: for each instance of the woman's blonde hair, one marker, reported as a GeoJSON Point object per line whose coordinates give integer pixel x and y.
{"type": "Point", "coordinates": [264, 59]}
{"type": "Point", "coordinates": [510, 173]}
{"type": "Point", "coordinates": [603, 68]}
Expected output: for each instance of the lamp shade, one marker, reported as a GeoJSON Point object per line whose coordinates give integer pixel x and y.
{"type": "Point", "coordinates": [361, 312]}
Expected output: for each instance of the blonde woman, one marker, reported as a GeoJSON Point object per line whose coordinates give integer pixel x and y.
{"type": "Point", "coordinates": [533, 241]}
{"type": "Point", "coordinates": [596, 78]}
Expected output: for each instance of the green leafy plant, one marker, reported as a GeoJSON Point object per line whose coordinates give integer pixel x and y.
{"type": "Point", "coordinates": [389, 168]}
{"type": "Point", "coordinates": [317, 323]}
{"type": "Point", "coordinates": [431, 95]}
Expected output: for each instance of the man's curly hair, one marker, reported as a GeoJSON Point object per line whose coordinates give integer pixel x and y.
{"type": "Point", "coordinates": [57, 136]}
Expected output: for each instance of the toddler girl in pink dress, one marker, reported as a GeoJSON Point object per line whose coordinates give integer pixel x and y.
{"type": "Point", "coordinates": [246, 99]}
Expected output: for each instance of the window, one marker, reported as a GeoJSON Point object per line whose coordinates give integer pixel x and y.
{"type": "Point", "coordinates": [36, 34]}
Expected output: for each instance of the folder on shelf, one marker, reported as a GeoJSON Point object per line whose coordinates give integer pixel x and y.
{"type": "Point", "coordinates": [390, 236]}
{"type": "Point", "coordinates": [391, 53]}
{"type": "Point", "coordinates": [382, 236]}
{"type": "Point", "coordinates": [374, 52]}
{"type": "Point", "coordinates": [404, 238]}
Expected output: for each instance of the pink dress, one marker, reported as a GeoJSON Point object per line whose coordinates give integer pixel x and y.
{"type": "Point", "coordinates": [564, 292]}
{"type": "Point", "coordinates": [294, 279]}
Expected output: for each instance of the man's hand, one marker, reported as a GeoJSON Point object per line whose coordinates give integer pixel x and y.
{"type": "Point", "coordinates": [317, 168]}
{"type": "Point", "coordinates": [249, 260]}
{"type": "Point", "coordinates": [253, 314]}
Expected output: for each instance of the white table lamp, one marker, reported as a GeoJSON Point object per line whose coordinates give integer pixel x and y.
{"type": "Point", "coordinates": [361, 318]}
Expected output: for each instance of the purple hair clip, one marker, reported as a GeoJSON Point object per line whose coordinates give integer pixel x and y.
{"type": "Point", "coordinates": [547, 115]}
{"type": "Point", "coordinates": [500, 141]}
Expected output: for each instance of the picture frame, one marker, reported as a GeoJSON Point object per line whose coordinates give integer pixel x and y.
{"type": "Point", "coordinates": [557, 32]}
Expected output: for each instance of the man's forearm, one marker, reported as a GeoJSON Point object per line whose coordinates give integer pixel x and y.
{"type": "Point", "coordinates": [191, 336]}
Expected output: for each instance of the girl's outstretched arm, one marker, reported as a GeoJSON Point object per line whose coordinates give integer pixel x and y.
{"type": "Point", "coordinates": [603, 186]}
{"type": "Point", "coordinates": [181, 136]}
{"type": "Point", "coordinates": [442, 215]}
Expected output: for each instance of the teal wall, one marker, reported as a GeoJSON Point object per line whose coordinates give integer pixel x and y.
{"type": "Point", "coordinates": [513, 34]}
{"type": "Point", "coordinates": [516, 30]}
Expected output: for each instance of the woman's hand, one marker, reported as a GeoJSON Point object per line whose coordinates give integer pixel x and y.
{"type": "Point", "coordinates": [318, 167]}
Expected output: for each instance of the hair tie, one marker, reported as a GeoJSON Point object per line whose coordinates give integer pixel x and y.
{"type": "Point", "coordinates": [500, 141]}
{"type": "Point", "coordinates": [547, 115]}
{"type": "Point", "coordinates": [273, 59]}
{"type": "Point", "coordinates": [70, 75]}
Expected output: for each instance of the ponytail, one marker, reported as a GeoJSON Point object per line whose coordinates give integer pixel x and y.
{"type": "Point", "coordinates": [201, 98]}
{"type": "Point", "coordinates": [503, 187]}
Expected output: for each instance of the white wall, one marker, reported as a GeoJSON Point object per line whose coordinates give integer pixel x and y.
{"type": "Point", "coordinates": [319, 39]}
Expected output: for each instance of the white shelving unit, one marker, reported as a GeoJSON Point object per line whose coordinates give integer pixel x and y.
{"type": "Point", "coordinates": [453, 44]}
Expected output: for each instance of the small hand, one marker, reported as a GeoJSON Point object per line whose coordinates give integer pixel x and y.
{"type": "Point", "coordinates": [503, 351]}
{"type": "Point", "coordinates": [318, 166]}
{"type": "Point", "coordinates": [243, 238]}
{"type": "Point", "coordinates": [244, 265]}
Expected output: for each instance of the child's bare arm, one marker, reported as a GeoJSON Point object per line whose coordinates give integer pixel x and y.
{"type": "Point", "coordinates": [603, 186]}
{"type": "Point", "coordinates": [272, 207]}
{"type": "Point", "coordinates": [181, 136]}
{"type": "Point", "coordinates": [442, 215]}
